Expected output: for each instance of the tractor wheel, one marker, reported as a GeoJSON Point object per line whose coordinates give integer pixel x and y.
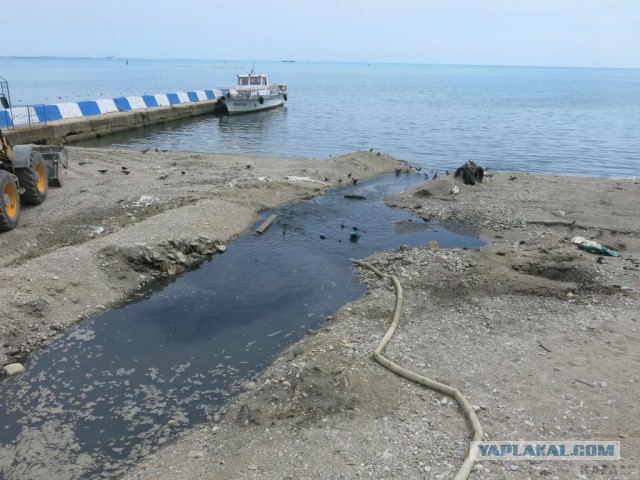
{"type": "Point", "coordinates": [9, 202]}
{"type": "Point", "coordinates": [33, 180]}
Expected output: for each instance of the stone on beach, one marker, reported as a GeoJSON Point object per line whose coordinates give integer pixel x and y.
{"type": "Point", "coordinates": [13, 369]}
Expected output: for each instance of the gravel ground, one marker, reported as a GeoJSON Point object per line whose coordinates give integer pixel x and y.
{"type": "Point", "coordinates": [542, 337]}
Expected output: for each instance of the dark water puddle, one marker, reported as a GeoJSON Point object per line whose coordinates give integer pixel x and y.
{"type": "Point", "coordinates": [99, 397]}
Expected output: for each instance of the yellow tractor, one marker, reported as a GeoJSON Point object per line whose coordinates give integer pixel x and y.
{"type": "Point", "coordinates": [23, 175]}
{"type": "Point", "coordinates": [25, 172]}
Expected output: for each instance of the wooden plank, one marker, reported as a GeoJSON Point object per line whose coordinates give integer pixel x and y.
{"type": "Point", "coordinates": [261, 229]}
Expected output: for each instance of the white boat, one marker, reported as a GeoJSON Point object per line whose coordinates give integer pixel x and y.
{"type": "Point", "coordinates": [253, 92]}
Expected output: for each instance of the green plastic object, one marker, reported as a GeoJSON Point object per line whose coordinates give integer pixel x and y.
{"type": "Point", "coordinates": [600, 250]}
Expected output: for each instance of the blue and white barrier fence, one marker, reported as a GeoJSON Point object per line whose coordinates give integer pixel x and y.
{"type": "Point", "coordinates": [39, 114]}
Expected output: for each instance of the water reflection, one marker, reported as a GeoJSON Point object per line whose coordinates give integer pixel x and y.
{"type": "Point", "coordinates": [255, 132]}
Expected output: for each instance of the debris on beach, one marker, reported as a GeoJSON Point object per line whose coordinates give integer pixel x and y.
{"type": "Point", "coordinates": [470, 173]}
{"type": "Point", "coordinates": [143, 202]}
{"type": "Point", "coordinates": [295, 178]}
{"type": "Point", "coordinates": [264, 225]}
{"type": "Point", "coordinates": [355, 197]}
{"type": "Point", "coordinates": [594, 247]}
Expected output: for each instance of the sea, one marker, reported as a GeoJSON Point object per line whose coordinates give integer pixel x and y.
{"type": "Point", "coordinates": [567, 121]}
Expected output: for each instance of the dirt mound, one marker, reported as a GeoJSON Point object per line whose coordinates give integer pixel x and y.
{"type": "Point", "coordinates": [317, 378]}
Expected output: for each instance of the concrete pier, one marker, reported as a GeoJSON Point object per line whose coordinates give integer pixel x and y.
{"type": "Point", "coordinates": [82, 128]}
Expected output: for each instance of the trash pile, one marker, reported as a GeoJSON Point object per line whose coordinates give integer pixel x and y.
{"type": "Point", "coordinates": [594, 247]}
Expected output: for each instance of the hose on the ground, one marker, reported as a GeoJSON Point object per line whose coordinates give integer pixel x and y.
{"type": "Point", "coordinates": [467, 465]}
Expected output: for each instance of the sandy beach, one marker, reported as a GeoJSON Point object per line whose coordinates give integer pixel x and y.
{"type": "Point", "coordinates": [540, 336]}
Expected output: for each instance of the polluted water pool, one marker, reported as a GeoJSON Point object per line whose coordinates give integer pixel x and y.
{"type": "Point", "coordinates": [119, 385]}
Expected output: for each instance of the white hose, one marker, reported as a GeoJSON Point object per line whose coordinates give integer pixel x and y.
{"type": "Point", "coordinates": [467, 465]}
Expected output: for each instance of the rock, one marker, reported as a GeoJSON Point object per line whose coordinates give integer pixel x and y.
{"type": "Point", "coordinates": [181, 258]}
{"type": "Point", "coordinates": [156, 256]}
{"type": "Point", "coordinates": [221, 248]}
{"type": "Point", "coordinates": [171, 423]}
{"type": "Point", "coordinates": [454, 190]}
{"type": "Point", "coordinates": [529, 424]}
{"type": "Point", "coordinates": [433, 245]}
{"type": "Point", "coordinates": [250, 385]}
{"type": "Point", "coordinates": [13, 369]}
{"type": "Point", "coordinates": [476, 408]}
{"type": "Point", "coordinates": [252, 467]}
{"type": "Point", "coordinates": [444, 401]}
{"type": "Point", "coordinates": [147, 255]}
{"type": "Point", "coordinates": [196, 454]}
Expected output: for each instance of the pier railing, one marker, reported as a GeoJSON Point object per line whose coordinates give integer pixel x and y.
{"type": "Point", "coordinates": [22, 116]}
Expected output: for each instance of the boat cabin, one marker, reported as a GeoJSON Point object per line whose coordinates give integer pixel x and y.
{"type": "Point", "coordinates": [253, 80]}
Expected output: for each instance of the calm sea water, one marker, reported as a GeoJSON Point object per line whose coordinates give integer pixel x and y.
{"type": "Point", "coordinates": [578, 121]}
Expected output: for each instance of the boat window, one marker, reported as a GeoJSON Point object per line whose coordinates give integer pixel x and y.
{"type": "Point", "coordinates": [255, 80]}
{"type": "Point", "coordinates": [264, 80]}
{"type": "Point", "coordinates": [243, 81]}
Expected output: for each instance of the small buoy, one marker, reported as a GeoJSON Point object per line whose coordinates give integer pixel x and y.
{"type": "Point", "coordinates": [260, 100]}
{"type": "Point", "coordinates": [285, 97]}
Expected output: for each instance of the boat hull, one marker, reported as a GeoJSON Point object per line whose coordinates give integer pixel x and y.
{"type": "Point", "coordinates": [236, 106]}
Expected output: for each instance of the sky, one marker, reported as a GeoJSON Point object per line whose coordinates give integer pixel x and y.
{"type": "Point", "coordinates": [571, 33]}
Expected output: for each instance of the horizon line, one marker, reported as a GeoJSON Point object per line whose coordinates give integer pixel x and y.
{"type": "Point", "coordinates": [312, 61]}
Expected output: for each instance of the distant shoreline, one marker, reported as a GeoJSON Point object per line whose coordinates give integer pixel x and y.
{"type": "Point", "coordinates": [346, 62]}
